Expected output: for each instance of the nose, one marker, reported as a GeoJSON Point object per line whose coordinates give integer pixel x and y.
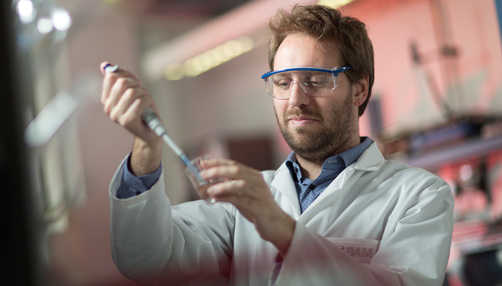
{"type": "Point", "coordinates": [298, 95]}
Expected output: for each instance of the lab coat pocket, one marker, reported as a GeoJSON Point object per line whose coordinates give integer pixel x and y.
{"type": "Point", "coordinates": [362, 250]}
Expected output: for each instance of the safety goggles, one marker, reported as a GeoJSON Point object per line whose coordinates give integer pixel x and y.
{"type": "Point", "coordinates": [312, 81]}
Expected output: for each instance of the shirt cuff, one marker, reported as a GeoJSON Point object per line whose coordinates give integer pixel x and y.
{"type": "Point", "coordinates": [131, 186]}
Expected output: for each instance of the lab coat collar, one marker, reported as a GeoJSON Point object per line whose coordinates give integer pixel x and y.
{"type": "Point", "coordinates": [371, 160]}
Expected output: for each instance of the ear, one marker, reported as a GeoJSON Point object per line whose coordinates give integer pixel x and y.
{"type": "Point", "coordinates": [360, 90]}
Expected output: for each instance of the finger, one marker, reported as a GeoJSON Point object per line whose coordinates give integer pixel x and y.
{"type": "Point", "coordinates": [108, 81]}
{"type": "Point", "coordinates": [125, 102]}
{"type": "Point", "coordinates": [233, 171]}
{"type": "Point", "coordinates": [133, 122]}
{"type": "Point", "coordinates": [244, 204]}
{"type": "Point", "coordinates": [111, 77]}
{"type": "Point", "coordinates": [220, 164]}
{"type": "Point", "coordinates": [102, 66]}
{"type": "Point", "coordinates": [115, 84]}
{"type": "Point", "coordinates": [123, 86]}
{"type": "Point", "coordinates": [130, 118]}
{"type": "Point", "coordinates": [107, 67]}
{"type": "Point", "coordinates": [137, 107]}
{"type": "Point", "coordinates": [212, 162]}
{"type": "Point", "coordinates": [231, 188]}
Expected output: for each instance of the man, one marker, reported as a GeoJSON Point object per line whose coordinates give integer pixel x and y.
{"type": "Point", "coordinates": [335, 213]}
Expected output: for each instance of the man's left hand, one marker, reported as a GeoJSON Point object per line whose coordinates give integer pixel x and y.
{"type": "Point", "coordinates": [246, 189]}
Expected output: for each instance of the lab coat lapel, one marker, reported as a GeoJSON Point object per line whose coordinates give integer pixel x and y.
{"type": "Point", "coordinates": [285, 191]}
{"type": "Point", "coordinates": [345, 186]}
{"type": "Point", "coordinates": [336, 194]}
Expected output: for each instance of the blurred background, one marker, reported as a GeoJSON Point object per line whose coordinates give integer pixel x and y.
{"type": "Point", "coordinates": [437, 104]}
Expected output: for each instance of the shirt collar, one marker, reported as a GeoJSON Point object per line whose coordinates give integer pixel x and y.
{"type": "Point", "coordinates": [347, 157]}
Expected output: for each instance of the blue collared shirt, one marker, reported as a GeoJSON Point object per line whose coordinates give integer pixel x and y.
{"type": "Point", "coordinates": [309, 190]}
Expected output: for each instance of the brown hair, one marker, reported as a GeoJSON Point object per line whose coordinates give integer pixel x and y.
{"type": "Point", "coordinates": [327, 24]}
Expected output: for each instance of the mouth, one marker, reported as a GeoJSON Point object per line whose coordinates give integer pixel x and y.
{"type": "Point", "coordinates": [301, 121]}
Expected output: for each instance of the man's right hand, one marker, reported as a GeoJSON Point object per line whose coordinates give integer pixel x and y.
{"type": "Point", "coordinates": [124, 100]}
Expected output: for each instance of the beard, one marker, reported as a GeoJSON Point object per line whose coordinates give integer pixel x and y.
{"type": "Point", "coordinates": [317, 144]}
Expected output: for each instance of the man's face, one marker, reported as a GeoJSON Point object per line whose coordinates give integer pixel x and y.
{"type": "Point", "coordinates": [315, 127]}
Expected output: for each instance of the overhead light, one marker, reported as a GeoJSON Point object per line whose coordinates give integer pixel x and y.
{"type": "Point", "coordinates": [218, 40]}
{"type": "Point", "coordinates": [209, 59]}
{"type": "Point", "coordinates": [25, 11]}
{"type": "Point", "coordinates": [44, 25]}
{"type": "Point", "coordinates": [334, 3]}
{"type": "Point", "coordinates": [61, 19]}
{"type": "Point", "coordinates": [246, 20]}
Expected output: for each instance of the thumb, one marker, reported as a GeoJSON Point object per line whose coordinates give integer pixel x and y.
{"type": "Point", "coordinates": [108, 67]}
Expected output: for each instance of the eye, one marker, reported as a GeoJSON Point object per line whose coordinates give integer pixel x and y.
{"type": "Point", "coordinates": [282, 82]}
{"type": "Point", "coordinates": [318, 80]}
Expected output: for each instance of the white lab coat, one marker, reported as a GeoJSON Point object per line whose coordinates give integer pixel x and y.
{"type": "Point", "coordinates": [378, 223]}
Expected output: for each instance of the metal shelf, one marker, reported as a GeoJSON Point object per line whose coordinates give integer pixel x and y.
{"type": "Point", "coordinates": [473, 147]}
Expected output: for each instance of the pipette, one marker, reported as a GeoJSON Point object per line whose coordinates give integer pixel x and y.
{"type": "Point", "coordinates": [152, 120]}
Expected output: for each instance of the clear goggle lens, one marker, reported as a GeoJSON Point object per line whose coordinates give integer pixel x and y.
{"type": "Point", "coordinates": [312, 81]}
